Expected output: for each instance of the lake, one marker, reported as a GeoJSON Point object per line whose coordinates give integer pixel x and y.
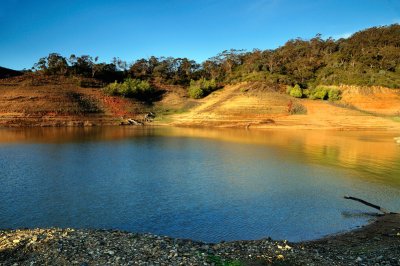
{"type": "Point", "coordinates": [203, 184]}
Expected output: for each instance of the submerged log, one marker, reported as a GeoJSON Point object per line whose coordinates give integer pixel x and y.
{"type": "Point", "coordinates": [383, 210]}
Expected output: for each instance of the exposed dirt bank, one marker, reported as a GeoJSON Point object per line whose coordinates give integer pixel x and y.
{"type": "Point", "coordinates": [240, 105]}
{"type": "Point", "coordinates": [31, 101]}
{"type": "Point", "coordinates": [377, 243]}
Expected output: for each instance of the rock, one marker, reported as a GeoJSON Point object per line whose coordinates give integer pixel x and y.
{"type": "Point", "coordinates": [359, 259]}
{"type": "Point", "coordinates": [110, 252]}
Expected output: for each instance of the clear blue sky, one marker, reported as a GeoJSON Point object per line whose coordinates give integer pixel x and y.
{"type": "Point", "coordinates": [197, 29]}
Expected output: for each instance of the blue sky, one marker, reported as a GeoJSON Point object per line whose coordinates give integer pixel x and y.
{"type": "Point", "coordinates": [197, 29]}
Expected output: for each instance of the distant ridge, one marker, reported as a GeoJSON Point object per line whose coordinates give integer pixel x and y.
{"type": "Point", "coordinates": [7, 73]}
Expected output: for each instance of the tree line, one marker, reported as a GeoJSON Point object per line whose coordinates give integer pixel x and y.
{"type": "Point", "coordinates": [368, 57]}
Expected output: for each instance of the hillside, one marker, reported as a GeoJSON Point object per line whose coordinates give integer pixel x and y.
{"type": "Point", "coordinates": [7, 73]}
{"type": "Point", "coordinates": [33, 100]}
{"type": "Point", "coordinates": [246, 105]}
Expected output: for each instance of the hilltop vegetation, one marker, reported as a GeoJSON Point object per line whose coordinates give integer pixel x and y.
{"type": "Point", "coordinates": [369, 57]}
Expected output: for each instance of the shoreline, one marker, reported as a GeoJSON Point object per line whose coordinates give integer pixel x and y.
{"type": "Point", "coordinates": [376, 242]}
{"type": "Point", "coordinates": [85, 124]}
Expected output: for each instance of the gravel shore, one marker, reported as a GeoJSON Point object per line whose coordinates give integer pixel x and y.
{"type": "Point", "coordinates": [375, 244]}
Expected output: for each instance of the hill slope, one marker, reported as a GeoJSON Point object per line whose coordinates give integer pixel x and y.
{"type": "Point", "coordinates": [7, 73]}
{"type": "Point", "coordinates": [58, 101]}
{"type": "Point", "coordinates": [243, 105]}
{"type": "Point", "coordinates": [32, 100]}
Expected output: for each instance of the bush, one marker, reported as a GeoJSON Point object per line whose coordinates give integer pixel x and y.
{"type": "Point", "coordinates": [195, 92]}
{"type": "Point", "coordinates": [201, 88]}
{"type": "Point", "coordinates": [334, 95]}
{"type": "Point", "coordinates": [112, 89]}
{"type": "Point", "coordinates": [319, 93]}
{"type": "Point", "coordinates": [131, 88]}
{"type": "Point", "coordinates": [297, 109]}
{"type": "Point", "coordinates": [306, 93]}
{"type": "Point", "coordinates": [296, 91]}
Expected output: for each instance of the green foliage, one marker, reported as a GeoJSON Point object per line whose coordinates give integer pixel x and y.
{"type": "Point", "coordinates": [306, 93]}
{"type": "Point", "coordinates": [296, 91]}
{"type": "Point", "coordinates": [319, 92]}
{"type": "Point", "coordinates": [53, 64]}
{"type": "Point", "coordinates": [334, 95]}
{"type": "Point", "coordinates": [368, 57]}
{"type": "Point", "coordinates": [131, 88]}
{"type": "Point", "coordinates": [201, 88]}
{"type": "Point", "coordinates": [195, 92]}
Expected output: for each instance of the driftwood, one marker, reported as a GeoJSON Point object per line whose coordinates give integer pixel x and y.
{"type": "Point", "coordinates": [131, 122]}
{"type": "Point", "coordinates": [383, 210]}
{"type": "Point", "coordinates": [134, 122]}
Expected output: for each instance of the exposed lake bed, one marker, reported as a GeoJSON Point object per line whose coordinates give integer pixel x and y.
{"type": "Point", "coordinates": [206, 185]}
{"type": "Point", "coordinates": [376, 243]}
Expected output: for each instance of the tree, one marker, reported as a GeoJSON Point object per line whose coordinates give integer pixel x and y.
{"type": "Point", "coordinates": [53, 64]}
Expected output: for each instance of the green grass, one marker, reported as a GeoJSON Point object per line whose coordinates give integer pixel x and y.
{"type": "Point", "coordinates": [163, 114]}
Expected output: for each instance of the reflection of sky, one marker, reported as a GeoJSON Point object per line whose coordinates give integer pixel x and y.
{"type": "Point", "coordinates": [198, 188]}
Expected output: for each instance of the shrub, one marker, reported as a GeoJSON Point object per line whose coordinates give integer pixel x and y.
{"type": "Point", "coordinates": [131, 88]}
{"type": "Point", "coordinates": [297, 109]}
{"type": "Point", "coordinates": [296, 91]}
{"type": "Point", "coordinates": [112, 88]}
{"type": "Point", "coordinates": [306, 93]}
{"type": "Point", "coordinates": [319, 93]}
{"type": "Point", "coordinates": [334, 95]}
{"type": "Point", "coordinates": [195, 92]}
{"type": "Point", "coordinates": [201, 88]}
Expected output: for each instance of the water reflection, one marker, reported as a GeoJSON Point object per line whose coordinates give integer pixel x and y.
{"type": "Point", "coordinates": [373, 152]}
{"type": "Point", "coordinates": [204, 184]}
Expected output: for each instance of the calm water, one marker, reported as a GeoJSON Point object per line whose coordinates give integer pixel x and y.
{"type": "Point", "coordinates": [208, 185]}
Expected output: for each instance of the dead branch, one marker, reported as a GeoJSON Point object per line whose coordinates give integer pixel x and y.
{"type": "Point", "coordinates": [383, 210]}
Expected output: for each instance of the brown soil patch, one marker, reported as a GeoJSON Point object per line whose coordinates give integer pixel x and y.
{"type": "Point", "coordinates": [32, 100]}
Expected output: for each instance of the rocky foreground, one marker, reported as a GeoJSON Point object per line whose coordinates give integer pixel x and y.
{"type": "Point", "coordinates": [374, 244]}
